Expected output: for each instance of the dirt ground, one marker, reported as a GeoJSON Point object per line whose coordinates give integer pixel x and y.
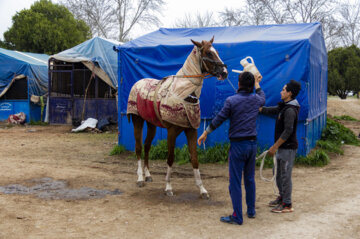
{"type": "Point", "coordinates": [36, 160]}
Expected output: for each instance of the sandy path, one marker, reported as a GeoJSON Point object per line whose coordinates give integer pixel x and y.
{"type": "Point", "coordinates": [326, 200]}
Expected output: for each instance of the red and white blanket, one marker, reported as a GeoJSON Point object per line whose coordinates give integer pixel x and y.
{"type": "Point", "coordinates": [170, 101]}
{"type": "Point", "coordinates": [171, 108]}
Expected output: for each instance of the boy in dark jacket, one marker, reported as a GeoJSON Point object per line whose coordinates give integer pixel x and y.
{"type": "Point", "coordinates": [242, 109]}
{"type": "Point", "coordinates": [285, 145]}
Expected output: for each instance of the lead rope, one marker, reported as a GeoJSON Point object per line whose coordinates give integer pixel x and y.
{"type": "Point", "coordinates": [273, 179]}
{"type": "Point", "coordinates": [231, 84]}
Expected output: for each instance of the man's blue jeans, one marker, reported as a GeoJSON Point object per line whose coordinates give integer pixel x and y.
{"type": "Point", "coordinates": [242, 158]}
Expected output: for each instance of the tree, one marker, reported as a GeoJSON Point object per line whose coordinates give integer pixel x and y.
{"type": "Point", "coordinates": [344, 71]}
{"type": "Point", "coordinates": [199, 20]}
{"type": "Point", "coordinates": [45, 28]}
{"type": "Point", "coordinates": [288, 11]}
{"type": "Point", "coordinates": [350, 14]}
{"type": "Point", "coordinates": [115, 18]}
{"type": "Point", "coordinates": [252, 14]}
{"type": "Point", "coordinates": [6, 45]}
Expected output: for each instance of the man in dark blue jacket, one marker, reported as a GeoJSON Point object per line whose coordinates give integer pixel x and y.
{"type": "Point", "coordinates": [242, 109]}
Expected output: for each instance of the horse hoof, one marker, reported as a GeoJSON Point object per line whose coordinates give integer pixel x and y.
{"type": "Point", "coordinates": [148, 179]}
{"type": "Point", "coordinates": [140, 184]}
{"type": "Point", "coordinates": [205, 196]}
{"type": "Point", "coordinates": [169, 193]}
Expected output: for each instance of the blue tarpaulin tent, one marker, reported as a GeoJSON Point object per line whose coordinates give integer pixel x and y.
{"type": "Point", "coordinates": [70, 73]}
{"type": "Point", "coordinates": [280, 52]}
{"type": "Point", "coordinates": [22, 75]}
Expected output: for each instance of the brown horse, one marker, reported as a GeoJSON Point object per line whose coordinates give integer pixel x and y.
{"type": "Point", "coordinates": [173, 103]}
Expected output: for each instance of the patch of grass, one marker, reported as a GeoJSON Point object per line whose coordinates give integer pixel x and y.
{"type": "Point", "coordinates": [158, 151]}
{"type": "Point", "coordinates": [118, 149]}
{"type": "Point", "coordinates": [338, 133]}
{"type": "Point", "coordinates": [318, 158]}
{"type": "Point", "coordinates": [330, 146]}
{"type": "Point", "coordinates": [32, 122]}
{"type": "Point", "coordinates": [345, 117]}
{"type": "Point", "coordinates": [215, 154]}
{"type": "Point", "coordinates": [182, 155]}
{"type": "Point", "coordinates": [333, 137]}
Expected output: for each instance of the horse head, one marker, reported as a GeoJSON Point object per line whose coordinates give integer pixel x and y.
{"type": "Point", "coordinates": [210, 60]}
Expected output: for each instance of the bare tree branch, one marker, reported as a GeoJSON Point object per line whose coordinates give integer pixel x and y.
{"type": "Point", "coordinates": [350, 14]}
{"type": "Point", "coordinates": [116, 18]}
{"type": "Point", "coordinates": [98, 14]}
{"type": "Point", "coordinates": [252, 14]}
{"type": "Point", "coordinates": [199, 20]}
{"type": "Point", "coordinates": [259, 12]}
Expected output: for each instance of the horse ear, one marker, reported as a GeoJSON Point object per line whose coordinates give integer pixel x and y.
{"type": "Point", "coordinates": [198, 44]}
{"type": "Point", "coordinates": [212, 40]}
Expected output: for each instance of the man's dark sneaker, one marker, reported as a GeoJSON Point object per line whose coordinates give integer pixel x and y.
{"type": "Point", "coordinates": [230, 219]}
{"type": "Point", "coordinates": [283, 208]}
{"type": "Point", "coordinates": [276, 202]}
{"type": "Point", "coordinates": [251, 216]}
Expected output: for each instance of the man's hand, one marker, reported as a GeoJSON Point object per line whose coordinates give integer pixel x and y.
{"type": "Point", "coordinates": [258, 78]}
{"type": "Point", "coordinates": [272, 150]}
{"type": "Point", "coordinates": [202, 138]}
{"type": "Point", "coordinates": [257, 81]}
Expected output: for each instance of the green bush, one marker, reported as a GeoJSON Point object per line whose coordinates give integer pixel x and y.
{"type": "Point", "coordinates": [215, 154]}
{"type": "Point", "coordinates": [182, 155]}
{"type": "Point", "coordinates": [338, 133]}
{"type": "Point", "coordinates": [159, 151]}
{"type": "Point", "coordinates": [32, 122]}
{"type": "Point", "coordinates": [330, 146]}
{"type": "Point", "coordinates": [118, 149]}
{"type": "Point", "coordinates": [333, 137]}
{"type": "Point", "coordinates": [318, 158]}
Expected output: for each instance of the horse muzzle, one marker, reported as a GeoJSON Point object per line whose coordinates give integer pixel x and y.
{"type": "Point", "coordinates": [222, 73]}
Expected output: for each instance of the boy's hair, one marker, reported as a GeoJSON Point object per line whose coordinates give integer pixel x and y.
{"type": "Point", "coordinates": [294, 87]}
{"type": "Point", "coordinates": [247, 81]}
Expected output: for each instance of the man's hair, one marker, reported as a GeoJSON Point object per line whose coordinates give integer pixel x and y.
{"type": "Point", "coordinates": [247, 81]}
{"type": "Point", "coordinates": [294, 87]}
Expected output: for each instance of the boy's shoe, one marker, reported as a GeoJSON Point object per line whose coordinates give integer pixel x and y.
{"type": "Point", "coordinates": [276, 202]}
{"type": "Point", "coordinates": [230, 219]}
{"type": "Point", "coordinates": [283, 208]}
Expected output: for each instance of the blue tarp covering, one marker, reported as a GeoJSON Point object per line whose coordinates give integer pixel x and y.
{"type": "Point", "coordinates": [280, 52]}
{"type": "Point", "coordinates": [97, 49]}
{"type": "Point", "coordinates": [31, 65]}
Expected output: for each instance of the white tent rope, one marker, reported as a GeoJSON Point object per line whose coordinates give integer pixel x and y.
{"type": "Point", "coordinates": [273, 179]}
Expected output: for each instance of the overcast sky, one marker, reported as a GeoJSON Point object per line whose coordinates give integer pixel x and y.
{"type": "Point", "coordinates": [174, 9]}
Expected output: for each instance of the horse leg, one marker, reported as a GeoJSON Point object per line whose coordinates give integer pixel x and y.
{"type": "Point", "coordinates": [151, 130]}
{"type": "Point", "coordinates": [191, 135]}
{"type": "Point", "coordinates": [138, 129]}
{"type": "Point", "coordinates": [173, 132]}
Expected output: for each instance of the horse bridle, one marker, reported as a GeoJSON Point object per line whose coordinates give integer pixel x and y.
{"type": "Point", "coordinates": [217, 63]}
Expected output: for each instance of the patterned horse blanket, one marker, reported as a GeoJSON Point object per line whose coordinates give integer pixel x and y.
{"type": "Point", "coordinates": [171, 105]}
